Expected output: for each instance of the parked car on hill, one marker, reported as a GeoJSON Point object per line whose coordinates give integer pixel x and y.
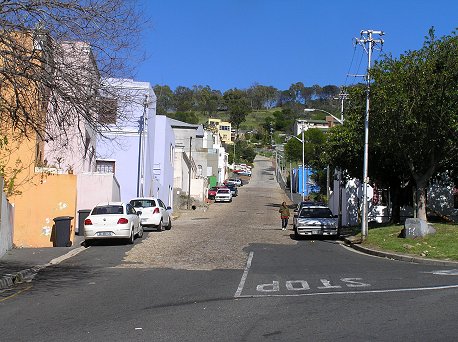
{"type": "Point", "coordinates": [315, 219]}
{"type": "Point", "coordinates": [302, 204]}
{"type": "Point", "coordinates": [112, 220]}
{"type": "Point", "coordinates": [154, 213]}
{"type": "Point", "coordinates": [233, 188]}
{"type": "Point", "coordinates": [223, 195]}
{"type": "Point", "coordinates": [243, 172]}
{"type": "Point", "coordinates": [236, 181]}
{"type": "Point", "coordinates": [211, 193]}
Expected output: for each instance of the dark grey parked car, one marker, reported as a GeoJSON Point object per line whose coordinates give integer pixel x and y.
{"type": "Point", "coordinates": [233, 189]}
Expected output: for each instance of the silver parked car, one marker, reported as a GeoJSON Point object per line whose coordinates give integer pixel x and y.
{"type": "Point", "coordinates": [112, 220]}
{"type": "Point", "coordinates": [315, 220]}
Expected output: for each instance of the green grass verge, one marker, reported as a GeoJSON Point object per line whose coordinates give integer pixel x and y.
{"type": "Point", "coordinates": [442, 245]}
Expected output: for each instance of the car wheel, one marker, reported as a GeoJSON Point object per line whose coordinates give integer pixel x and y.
{"type": "Point", "coordinates": [160, 227]}
{"type": "Point", "coordinates": [131, 239]}
{"type": "Point", "coordinates": [140, 232]}
{"type": "Point", "coordinates": [87, 243]}
{"type": "Point", "coordinates": [169, 226]}
{"type": "Point", "coordinates": [296, 234]}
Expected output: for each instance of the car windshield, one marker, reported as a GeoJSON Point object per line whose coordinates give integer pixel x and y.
{"type": "Point", "coordinates": [144, 203]}
{"type": "Point", "coordinates": [108, 209]}
{"type": "Point", "coordinates": [315, 213]}
{"type": "Point", "coordinates": [223, 191]}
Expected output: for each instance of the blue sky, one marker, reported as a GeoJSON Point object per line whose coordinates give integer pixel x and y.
{"type": "Point", "coordinates": [235, 43]}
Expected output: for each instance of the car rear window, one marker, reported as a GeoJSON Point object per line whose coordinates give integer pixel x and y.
{"type": "Point", "coordinates": [145, 203]}
{"type": "Point", "coordinates": [224, 191]}
{"type": "Point", "coordinates": [108, 209]}
{"type": "Point", "coordinates": [316, 213]}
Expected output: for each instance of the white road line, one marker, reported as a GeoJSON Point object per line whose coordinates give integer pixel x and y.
{"type": "Point", "coordinates": [66, 256]}
{"type": "Point", "coordinates": [445, 272]}
{"type": "Point", "coordinates": [244, 276]}
{"type": "Point", "coordinates": [434, 288]}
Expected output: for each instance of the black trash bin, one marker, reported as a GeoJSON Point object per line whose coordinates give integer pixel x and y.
{"type": "Point", "coordinates": [82, 215]}
{"type": "Point", "coordinates": [62, 228]}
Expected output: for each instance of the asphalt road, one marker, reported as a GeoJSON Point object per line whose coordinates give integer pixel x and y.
{"type": "Point", "coordinates": [230, 274]}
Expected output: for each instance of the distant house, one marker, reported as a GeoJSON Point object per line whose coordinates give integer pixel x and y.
{"type": "Point", "coordinates": [222, 128]}
{"type": "Point", "coordinates": [162, 167]}
{"type": "Point", "coordinates": [216, 168]}
{"type": "Point", "coordinates": [305, 124]}
{"type": "Point", "coordinates": [187, 179]}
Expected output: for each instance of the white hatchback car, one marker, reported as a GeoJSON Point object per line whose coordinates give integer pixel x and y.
{"type": "Point", "coordinates": [112, 220]}
{"type": "Point", "coordinates": [153, 212]}
{"type": "Point", "coordinates": [223, 195]}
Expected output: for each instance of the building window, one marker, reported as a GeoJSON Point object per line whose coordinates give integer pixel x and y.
{"type": "Point", "coordinates": [172, 154]}
{"type": "Point", "coordinates": [105, 166]}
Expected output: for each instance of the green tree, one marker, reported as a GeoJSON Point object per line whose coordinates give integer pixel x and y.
{"type": "Point", "coordinates": [206, 100]}
{"type": "Point", "coordinates": [415, 105]}
{"type": "Point", "coordinates": [314, 148]}
{"type": "Point", "coordinates": [238, 106]}
{"type": "Point", "coordinates": [284, 120]}
{"type": "Point", "coordinates": [244, 152]}
{"type": "Point", "coordinates": [413, 122]}
{"type": "Point", "coordinates": [314, 144]}
{"type": "Point", "coordinates": [188, 117]}
{"type": "Point", "coordinates": [184, 99]}
{"type": "Point", "coordinates": [262, 96]}
{"type": "Point", "coordinates": [165, 99]}
{"type": "Point", "coordinates": [344, 150]}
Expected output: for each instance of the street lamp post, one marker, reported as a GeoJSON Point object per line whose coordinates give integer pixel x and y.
{"type": "Point", "coordinates": [141, 148]}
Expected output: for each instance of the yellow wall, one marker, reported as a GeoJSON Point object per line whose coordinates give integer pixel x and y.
{"type": "Point", "coordinates": [38, 205]}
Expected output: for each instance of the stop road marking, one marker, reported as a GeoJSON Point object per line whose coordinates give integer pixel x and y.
{"type": "Point", "coordinates": [303, 285]}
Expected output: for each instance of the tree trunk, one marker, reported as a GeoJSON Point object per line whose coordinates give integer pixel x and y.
{"type": "Point", "coordinates": [421, 182]}
{"type": "Point", "coordinates": [395, 204]}
{"type": "Point", "coordinates": [421, 201]}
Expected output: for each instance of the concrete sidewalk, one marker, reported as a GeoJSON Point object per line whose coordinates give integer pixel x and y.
{"type": "Point", "coordinates": [21, 264]}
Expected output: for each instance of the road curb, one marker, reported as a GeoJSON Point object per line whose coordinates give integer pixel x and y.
{"type": "Point", "coordinates": [400, 257]}
{"type": "Point", "coordinates": [12, 279]}
{"type": "Point", "coordinates": [9, 280]}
